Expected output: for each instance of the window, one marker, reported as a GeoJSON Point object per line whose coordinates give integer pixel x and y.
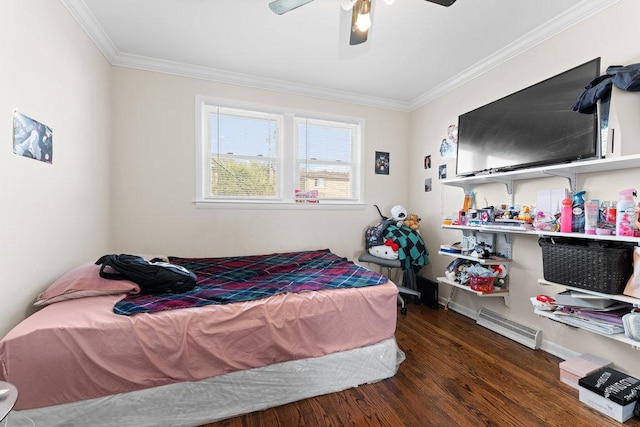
{"type": "Point", "coordinates": [259, 154]}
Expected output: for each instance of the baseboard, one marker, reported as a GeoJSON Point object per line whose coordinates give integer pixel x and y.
{"type": "Point", "coordinates": [557, 350]}
{"type": "Point", "coordinates": [459, 308]}
{"type": "Point", "coordinates": [546, 345]}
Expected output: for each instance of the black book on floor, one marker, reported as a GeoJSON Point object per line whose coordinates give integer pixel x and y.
{"type": "Point", "coordinates": [614, 385]}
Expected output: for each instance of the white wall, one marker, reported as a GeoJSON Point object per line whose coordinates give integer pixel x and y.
{"type": "Point", "coordinates": [53, 216]}
{"type": "Point", "coordinates": [612, 35]}
{"type": "Point", "coordinates": [154, 180]}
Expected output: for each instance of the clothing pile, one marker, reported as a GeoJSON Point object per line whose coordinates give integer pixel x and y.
{"type": "Point", "coordinates": [599, 89]}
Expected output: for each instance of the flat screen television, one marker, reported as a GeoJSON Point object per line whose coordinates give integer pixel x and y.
{"type": "Point", "coordinates": [532, 127]}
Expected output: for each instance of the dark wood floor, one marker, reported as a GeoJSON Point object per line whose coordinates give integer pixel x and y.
{"type": "Point", "coordinates": [456, 374]}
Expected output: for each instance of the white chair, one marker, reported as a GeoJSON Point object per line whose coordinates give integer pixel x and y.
{"type": "Point", "coordinates": [389, 264]}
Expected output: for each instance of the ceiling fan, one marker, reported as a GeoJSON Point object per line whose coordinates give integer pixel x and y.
{"type": "Point", "coordinates": [360, 16]}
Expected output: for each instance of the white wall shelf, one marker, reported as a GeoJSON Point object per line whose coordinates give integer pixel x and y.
{"type": "Point", "coordinates": [494, 260]}
{"type": "Point", "coordinates": [621, 298]}
{"type": "Point", "coordinates": [621, 337]}
{"type": "Point", "coordinates": [538, 233]}
{"type": "Point", "coordinates": [567, 170]}
{"type": "Point", "coordinates": [501, 293]}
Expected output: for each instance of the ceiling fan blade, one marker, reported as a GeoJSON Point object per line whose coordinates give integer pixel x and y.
{"type": "Point", "coordinates": [283, 6]}
{"type": "Point", "coordinates": [446, 3]}
{"type": "Point", "coordinates": [347, 4]}
{"type": "Point", "coordinates": [356, 36]}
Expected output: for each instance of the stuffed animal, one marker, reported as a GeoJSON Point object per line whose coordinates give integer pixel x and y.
{"type": "Point", "coordinates": [399, 213]}
{"type": "Point", "coordinates": [412, 221]}
{"type": "Point", "coordinates": [388, 251]}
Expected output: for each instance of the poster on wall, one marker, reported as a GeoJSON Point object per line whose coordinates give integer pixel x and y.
{"type": "Point", "coordinates": [449, 145]}
{"type": "Point", "coordinates": [382, 163]}
{"type": "Point", "coordinates": [31, 138]}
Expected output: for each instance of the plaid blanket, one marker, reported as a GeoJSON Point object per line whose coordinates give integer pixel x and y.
{"type": "Point", "coordinates": [246, 278]}
{"type": "Point", "coordinates": [413, 252]}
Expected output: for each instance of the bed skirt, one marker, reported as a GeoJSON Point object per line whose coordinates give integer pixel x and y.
{"type": "Point", "coordinates": [224, 396]}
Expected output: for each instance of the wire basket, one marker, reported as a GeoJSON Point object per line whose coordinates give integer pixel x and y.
{"type": "Point", "coordinates": [599, 267]}
{"type": "Point", "coordinates": [481, 283]}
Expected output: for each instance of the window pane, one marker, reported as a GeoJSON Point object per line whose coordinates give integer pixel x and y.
{"type": "Point", "coordinates": [324, 157]}
{"type": "Point", "coordinates": [244, 154]}
{"type": "Point", "coordinates": [242, 178]}
{"type": "Point", "coordinates": [323, 141]}
{"type": "Point", "coordinates": [331, 181]}
{"type": "Point", "coordinates": [249, 136]}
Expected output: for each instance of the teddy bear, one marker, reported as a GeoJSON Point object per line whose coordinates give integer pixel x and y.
{"type": "Point", "coordinates": [412, 221]}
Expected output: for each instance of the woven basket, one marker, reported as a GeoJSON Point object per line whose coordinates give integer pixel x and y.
{"type": "Point", "coordinates": [583, 264]}
{"type": "Point", "coordinates": [481, 283]}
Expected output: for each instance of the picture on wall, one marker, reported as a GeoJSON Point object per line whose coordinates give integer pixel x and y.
{"type": "Point", "coordinates": [31, 138]}
{"type": "Point", "coordinates": [427, 162]}
{"type": "Point", "coordinates": [442, 171]}
{"type": "Point", "coordinates": [427, 185]}
{"type": "Point", "coordinates": [382, 163]}
{"type": "Point", "coordinates": [449, 145]}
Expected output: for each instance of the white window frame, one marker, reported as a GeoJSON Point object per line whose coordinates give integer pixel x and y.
{"type": "Point", "coordinates": [287, 145]}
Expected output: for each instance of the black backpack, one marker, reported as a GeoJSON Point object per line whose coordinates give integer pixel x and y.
{"type": "Point", "coordinates": [153, 277]}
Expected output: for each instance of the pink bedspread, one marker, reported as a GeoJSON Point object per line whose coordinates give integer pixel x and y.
{"type": "Point", "coordinates": [80, 349]}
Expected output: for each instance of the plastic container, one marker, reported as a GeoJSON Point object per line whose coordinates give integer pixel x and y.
{"type": "Point", "coordinates": [577, 221]}
{"type": "Point", "coordinates": [566, 216]}
{"type": "Point", "coordinates": [481, 283]}
{"type": "Point", "coordinates": [626, 213]}
{"type": "Point", "coordinates": [591, 214]}
{"type": "Point", "coordinates": [609, 212]}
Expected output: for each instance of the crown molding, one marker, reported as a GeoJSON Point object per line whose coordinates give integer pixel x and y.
{"type": "Point", "coordinates": [559, 24]}
{"type": "Point", "coordinates": [81, 13]}
{"type": "Point", "coordinates": [221, 76]}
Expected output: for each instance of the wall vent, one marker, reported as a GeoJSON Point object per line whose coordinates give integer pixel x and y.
{"type": "Point", "coordinates": [510, 329]}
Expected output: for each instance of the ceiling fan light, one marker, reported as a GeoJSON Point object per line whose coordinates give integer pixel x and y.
{"type": "Point", "coordinates": [363, 23]}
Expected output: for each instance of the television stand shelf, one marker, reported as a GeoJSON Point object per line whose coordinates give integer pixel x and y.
{"type": "Point", "coordinates": [566, 170]}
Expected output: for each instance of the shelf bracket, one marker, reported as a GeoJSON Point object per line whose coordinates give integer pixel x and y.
{"type": "Point", "coordinates": [452, 293]}
{"type": "Point", "coordinates": [507, 182]}
{"type": "Point", "coordinates": [572, 177]}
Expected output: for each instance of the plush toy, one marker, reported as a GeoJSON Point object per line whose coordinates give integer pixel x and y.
{"type": "Point", "coordinates": [412, 221]}
{"type": "Point", "coordinates": [388, 251]}
{"type": "Point", "coordinates": [399, 213]}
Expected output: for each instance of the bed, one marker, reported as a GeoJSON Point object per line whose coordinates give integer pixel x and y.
{"type": "Point", "coordinates": [79, 361]}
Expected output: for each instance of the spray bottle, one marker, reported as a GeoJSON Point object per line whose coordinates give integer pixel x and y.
{"type": "Point", "coordinates": [577, 221]}
{"type": "Point", "coordinates": [626, 213]}
{"type": "Point", "coordinates": [565, 215]}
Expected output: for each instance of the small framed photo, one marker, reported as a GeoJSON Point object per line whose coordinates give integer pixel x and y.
{"type": "Point", "coordinates": [428, 186]}
{"type": "Point", "coordinates": [427, 162]}
{"type": "Point", "coordinates": [442, 171]}
{"type": "Point", "coordinates": [382, 163]}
